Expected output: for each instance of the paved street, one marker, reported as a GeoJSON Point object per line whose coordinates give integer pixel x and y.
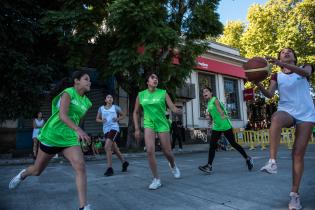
{"type": "Point", "coordinates": [230, 186]}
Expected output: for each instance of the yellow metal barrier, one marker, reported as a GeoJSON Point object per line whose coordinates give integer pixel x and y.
{"type": "Point", "coordinates": [252, 139]}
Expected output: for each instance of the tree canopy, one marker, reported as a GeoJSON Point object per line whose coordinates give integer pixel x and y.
{"type": "Point", "coordinates": [273, 26]}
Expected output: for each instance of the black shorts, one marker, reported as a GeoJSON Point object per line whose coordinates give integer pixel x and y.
{"type": "Point", "coordinates": [112, 135]}
{"type": "Point", "coordinates": [51, 150]}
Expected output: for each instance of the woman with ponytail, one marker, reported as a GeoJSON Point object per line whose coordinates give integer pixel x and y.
{"type": "Point", "coordinates": [62, 133]}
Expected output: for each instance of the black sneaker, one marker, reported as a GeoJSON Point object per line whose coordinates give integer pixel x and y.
{"type": "Point", "coordinates": [125, 166]}
{"type": "Point", "coordinates": [206, 168]}
{"type": "Point", "coordinates": [109, 172]}
{"type": "Point", "coordinates": [250, 163]}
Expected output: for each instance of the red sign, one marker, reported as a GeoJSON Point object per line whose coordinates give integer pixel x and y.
{"type": "Point", "coordinates": [248, 94]}
{"type": "Point", "coordinates": [215, 66]}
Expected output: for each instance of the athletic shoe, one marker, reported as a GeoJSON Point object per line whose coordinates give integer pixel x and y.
{"type": "Point", "coordinates": [175, 171]}
{"type": "Point", "coordinates": [156, 183]}
{"type": "Point", "coordinates": [109, 172]}
{"type": "Point", "coordinates": [87, 207]}
{"type": "Point", "coordinates": [125, 166]}
{"type": "Point", "coordinates": [295, 203]}
{"type": "Point", "coordinates": [270, 167]}
{"type": "Point", "coordinates": [206, 168]}
{"type": "Point", "coordinates": [250, 163]}
{"type": "Point", "coordinates": [16, 181]}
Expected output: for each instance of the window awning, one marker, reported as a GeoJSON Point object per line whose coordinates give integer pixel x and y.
{"type": "Point", "coordinates": [214, 66]}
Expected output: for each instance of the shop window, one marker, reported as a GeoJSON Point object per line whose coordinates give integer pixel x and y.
{"type": "Point", "coordinates": [205, 80]}
{"type": "Point", "coordinates": [231, 98]}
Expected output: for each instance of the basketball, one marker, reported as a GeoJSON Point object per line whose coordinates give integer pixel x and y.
{"type": "Point", "coordinates": [256, 69]}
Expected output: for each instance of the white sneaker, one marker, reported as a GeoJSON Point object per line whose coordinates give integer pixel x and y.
{"type": "Point", "coordinates": [175, 171]}
{"type": "Point", "coordinates": [270, 167]}
{"type": "Point", "coordinates": [295, 203]}
{"type": "Point", "coordinates": [156, 183]}
{"type": "Point", "coordinates": [15, 181]}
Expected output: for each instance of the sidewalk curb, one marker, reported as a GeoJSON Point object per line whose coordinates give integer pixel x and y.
{"type": "Point", "coordinates": [29, 161]}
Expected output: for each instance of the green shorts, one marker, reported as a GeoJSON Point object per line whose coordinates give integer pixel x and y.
{"type": "Point", "coordinates": [157, 126]}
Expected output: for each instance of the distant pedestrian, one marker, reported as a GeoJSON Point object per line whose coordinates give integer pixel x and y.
{"type": "Point", "coordinates": [110, 114]}
{"type": "Point", "coordinates": [38, 123]}
{"type": "Point", "coordinates": [153, 102]}
{"type": "Point", "coordinates": [221, 125]}
{"type": "Point", "coordinates": [176, 131]}
{"type": "Point", "coordinates": [61, 133]}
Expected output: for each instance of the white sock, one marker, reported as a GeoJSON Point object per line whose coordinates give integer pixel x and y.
{"type": "Point", "coordinates": [272, 161]}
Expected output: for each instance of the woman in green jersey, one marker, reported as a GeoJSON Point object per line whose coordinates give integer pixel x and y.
{"type": "Point", "coordinates": [221, 125]}
{"type": "Point", "coordinates": [62, 133]}
{"type": "Point", "coordinates": [153, 102]}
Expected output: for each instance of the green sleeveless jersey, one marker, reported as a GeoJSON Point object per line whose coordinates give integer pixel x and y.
{"type": "Point", "coordinates": [55, 132]}
{"type": "Point", "coordinates": [154, 107]}
{"type": "Point", "coordinates": [219, 124]}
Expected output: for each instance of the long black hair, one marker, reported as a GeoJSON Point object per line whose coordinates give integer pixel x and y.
{"type": "Point", "coordinates": [67, 82]}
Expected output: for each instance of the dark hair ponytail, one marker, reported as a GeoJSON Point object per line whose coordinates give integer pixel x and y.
{"type": "Point", "coordinates": [67, 82]}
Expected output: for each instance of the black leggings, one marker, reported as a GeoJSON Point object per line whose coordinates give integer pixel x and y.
{"type": "Point", "coordinates": [215, 136]}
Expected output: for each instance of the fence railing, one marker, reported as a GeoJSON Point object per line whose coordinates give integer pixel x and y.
{"type": "Point", "coordinates": [260, 138]}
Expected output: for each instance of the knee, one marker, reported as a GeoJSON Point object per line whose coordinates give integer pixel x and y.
{"type": "Point", "coordinates": [167, 152]}
{"type": "Point", "coordinates": [150, 152]}
{"type": "Point", "coordinates": [108, 148]}
{"type": "Point", "coordinates": [298, 154]}
{"type": "Point", "coordinates": [213, 144]}
{"type": "Point", "coordinates": [79, 166]}
{"type": "Point", "coordinates": [276, 121]}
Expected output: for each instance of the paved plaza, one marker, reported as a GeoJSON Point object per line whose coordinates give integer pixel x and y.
{"type": "Point", "coordinates": [230, 186]}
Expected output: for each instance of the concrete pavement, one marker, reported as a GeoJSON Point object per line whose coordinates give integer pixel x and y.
{"type": "Point", "coordinates": [231, 186]}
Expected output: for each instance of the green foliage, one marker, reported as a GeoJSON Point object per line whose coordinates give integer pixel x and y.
{"type": "Point", "coordinates": [232, 35]}
{"type": "Point", "coordinates": [25, 71]}
{"type": "Point", "coordinates": [273, 26]}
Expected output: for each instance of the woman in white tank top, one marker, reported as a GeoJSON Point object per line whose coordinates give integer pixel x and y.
{"type": "Point", "coordinates": [295, 108]}
{"type": "Point", "coordinates": [38, 123]}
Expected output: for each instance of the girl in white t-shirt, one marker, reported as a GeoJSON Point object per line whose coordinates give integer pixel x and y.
{"type": "Point", "coordinates": [38, 123]}
{"type": "Point", "coordinates": [295, 108]}
{"type": "Point", "coordinates": [110, 114]}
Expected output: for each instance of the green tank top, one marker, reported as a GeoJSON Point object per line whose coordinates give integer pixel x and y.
{"type": "Point", "coordinates": [219, 124]}
{"type": "Point", "coordinates": [57, 133]}
{"type": "Point", "coordinates": [153, 105]}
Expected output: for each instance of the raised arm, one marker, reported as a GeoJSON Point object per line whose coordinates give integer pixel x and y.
{"type": "Point", "coordinates": [305, 71]}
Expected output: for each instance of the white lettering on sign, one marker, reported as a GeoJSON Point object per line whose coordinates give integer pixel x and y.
{"type": "Point", "coordinates": [203, 65]}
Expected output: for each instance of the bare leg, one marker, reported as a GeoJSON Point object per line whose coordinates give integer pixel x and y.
{"type": "Point", "coordinates": [40, 164]}
{"type": "Point", "coordinates": [303, 134]}
{"type": "Point", "coordinates": [118, 153]}
{"type": "Point", "coordinates": [108, 149]}
{"type": "Point", "coordinates": [149, 138]}
{"type": "Point", "coordinates": [75, 157]}
{"type": "Point", "coordinates": [166, 147]}
{"type": "Point", "coordinates": [279, 120]}
{"type": "Point", "coordinates": [35, 147]}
